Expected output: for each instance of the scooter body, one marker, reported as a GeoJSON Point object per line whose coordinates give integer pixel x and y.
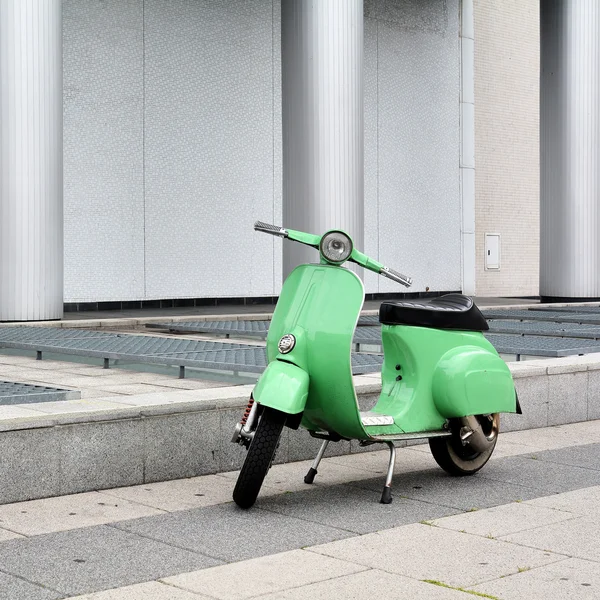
{"type": "Point", "coordinates": [436, 383]}
{"type": "Point", "coordinates": [428, 376]}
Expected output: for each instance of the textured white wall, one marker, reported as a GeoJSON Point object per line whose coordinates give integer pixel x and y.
{"type": "Point", "coordinates": [173, 146]}
{"type": "Point", "coordinates": [103, 149]}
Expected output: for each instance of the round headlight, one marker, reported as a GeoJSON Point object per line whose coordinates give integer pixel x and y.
{"type": "Point", "coordinates": [286, 343]}
{"type": "Point", "coordinates": [336, 247]}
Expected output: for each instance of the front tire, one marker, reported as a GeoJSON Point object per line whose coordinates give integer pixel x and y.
{"type": "Point", "coordinates": [259, 458]}
{"type": "Point", "coordinates": [460, 460]}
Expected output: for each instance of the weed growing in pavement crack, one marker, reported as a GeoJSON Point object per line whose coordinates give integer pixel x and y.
{"type": "Point", "coordinates": [459, 589]}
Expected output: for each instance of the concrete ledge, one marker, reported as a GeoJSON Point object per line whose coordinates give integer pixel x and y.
{"type": "Point", "coordinates": [126, 322]}
{"type": "Point", "coordinates": [59, 448]}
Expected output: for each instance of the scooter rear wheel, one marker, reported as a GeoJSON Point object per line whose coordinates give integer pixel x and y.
{"type": "Point", "coordinates": [458, 459]}
{"type": "Point", "coordinates": [259, 458]}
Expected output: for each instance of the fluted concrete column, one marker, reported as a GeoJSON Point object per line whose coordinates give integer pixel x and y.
{"type": "Point", "coordinates": [322, 94]}
{"type": "Point", "coordinates": [570, 149]}
{"type": "Point", "coordinates": [31, 235]}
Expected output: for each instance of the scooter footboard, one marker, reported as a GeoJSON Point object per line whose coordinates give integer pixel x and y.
{"type": "Point", "coordinates": [470, 380]}
{"type": "Point", "coordinates": [282, 386]}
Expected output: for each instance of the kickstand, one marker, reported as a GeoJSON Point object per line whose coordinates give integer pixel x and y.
{"type": "Point", "coordinates": [386, 496]}
{"type": "Point", "coordinates": [310, 476]}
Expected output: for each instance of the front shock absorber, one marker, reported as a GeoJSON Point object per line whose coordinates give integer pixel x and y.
{"type": "Point", "coordinates": [247, 411]}
{"type": "Point", "coordinates": [243, 432]}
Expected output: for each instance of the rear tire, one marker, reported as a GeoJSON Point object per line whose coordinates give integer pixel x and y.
{"type": "Point", "coordinates": [258, 460]}
{"type": "Point", "coordinates": [458, 460]}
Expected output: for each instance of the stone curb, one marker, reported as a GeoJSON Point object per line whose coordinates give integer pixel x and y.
{"type": "Point", "coordinates": [173, 435]}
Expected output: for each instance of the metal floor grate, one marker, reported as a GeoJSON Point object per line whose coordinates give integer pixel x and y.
{"type": "Point", "coordinates": [221, 356]}
{"type": "Point", "coordinates": [535, 345]}
{"type": "Point", "coordinates": [254, 329]}
{"type": "Point", "coordinates": [538, 315]}
{"type": "Point", "coordinates": [567, 309]}
{"type": "Point", "coordinates": [549, 328]}
{"type": "Point", "coordinates": [368, 320]}
{"type": "Point", "coordinates": [25, 393]}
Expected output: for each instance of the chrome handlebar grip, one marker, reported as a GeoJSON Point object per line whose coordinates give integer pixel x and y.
{"type": "Point", "coordinates": [395, 276]}
{"type": "Point", "coordinates": [272, 229]}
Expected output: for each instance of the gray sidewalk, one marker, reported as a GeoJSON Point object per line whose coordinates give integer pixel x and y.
{"type": "Point", "coordinates": [524, 527]}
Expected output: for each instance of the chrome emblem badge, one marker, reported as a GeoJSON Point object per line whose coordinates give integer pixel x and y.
{"type": "Point", "coordinates": [286, 343]}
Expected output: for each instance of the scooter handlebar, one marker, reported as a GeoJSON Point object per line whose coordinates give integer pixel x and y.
{"type": "Point", "coordinates": [395, 276]}
{"type": "Point", "coordinates": [313, 240]}
{"type": "Point", "coordinates": [272, 229]}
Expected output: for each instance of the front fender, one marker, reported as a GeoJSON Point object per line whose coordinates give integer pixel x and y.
{"type": "Point", "coordinates": [282, 386]}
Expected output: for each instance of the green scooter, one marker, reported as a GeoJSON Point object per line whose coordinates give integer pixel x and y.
{"type": "Point", "coordinates": [441, 379]}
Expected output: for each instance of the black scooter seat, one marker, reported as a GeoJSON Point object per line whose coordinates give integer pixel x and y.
{"type": "Point", "coordinates": [452, 311]}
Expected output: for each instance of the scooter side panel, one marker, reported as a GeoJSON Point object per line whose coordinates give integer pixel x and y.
{"type": "Point", "coordinates": [412, 359]}
{"type": "Point", "coordinates": [472, 381]}
{"type": "Point", "coordinates": [282, 386]}
{"type": "Point", "coordinates": [320, 304]}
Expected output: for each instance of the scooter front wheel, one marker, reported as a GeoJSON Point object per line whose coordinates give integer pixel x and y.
{"type": "Point", "coordinates": [460, 459]}
{"type": "Point", "coordinates": [259, 458]}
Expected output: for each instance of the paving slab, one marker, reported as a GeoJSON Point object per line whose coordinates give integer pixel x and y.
{"type": "Point", "coordinates": [575, 537]}
{"type": "Point", "coordinates": [5, 534]}
{"type": "Point", "coordinates": [152, 590]}
{"type": "Point", "coordinates": [92, 393]}
{"type": "Point", "coordinates": [376, 463]}
{"type": "Point", "coordinates": [264, 575]}
{"type": "Point", "coordinates": [131, 389]}
{"type": "Point", "coordinates": [426, 552]}
{"type": "Point", "coordinates": [583, 502]}
{"type": "Point", "coordinates": [544, 476]}
{"type": "Point", "coordinates": [586, 456]}
{"type": "Point", "coordinates": [17, 412]}
{"type": "Point", "coordinates": [502, 520]}
{"type": "Point", "coordinates": [95, 558]}
{"type": "Point", "coordinates": [215, 531]}
{"type": "Point", "coordinates": [179, 494]}
{"type": "Point", "coordinates": [73, 406]}
{"type": "Point", "coordinates": [352, 508]}
{"type": "Point", "coordinates": [462, 493]}
{"type": "Point", "coordinates": [190, 383]}
{"type": "Point", "coordinates": [289, 477]}
{"type": "Point", "coordinates": [571, 578]}
{"type": "Point", "coordinates": [559, 436]}
{"type": "Point", "coordinates": [13, 588]}
{"type": "Point", "coordinates": [37, 517]}
{"type": "Point", "coordinates": [504, 449]}
{"type": "Point", "coordinates": [369, 584]}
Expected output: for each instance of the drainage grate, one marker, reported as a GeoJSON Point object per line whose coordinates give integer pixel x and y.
{"type": "Point", "coordinates": [24, 393]}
